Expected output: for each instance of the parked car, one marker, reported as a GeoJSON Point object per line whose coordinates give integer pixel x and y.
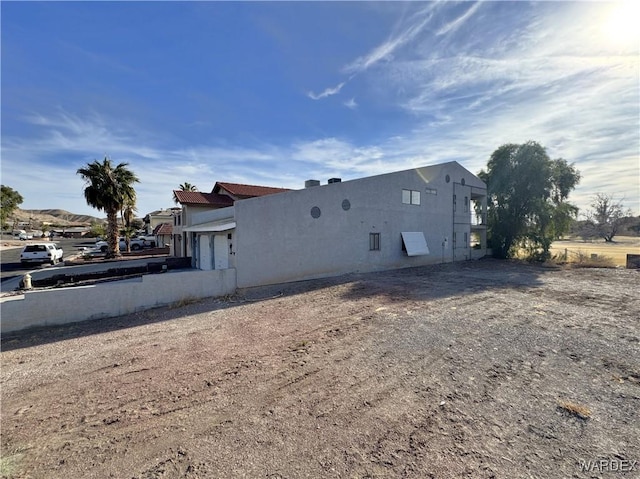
{"type": "Point", "coordinates": [23, 235]}
{"type": "Point", "coordinates": [149, 240]}
{"type": "Point", "coordinates": [41, 253]}
{"type": "Point", "coordinates": [136, 244]}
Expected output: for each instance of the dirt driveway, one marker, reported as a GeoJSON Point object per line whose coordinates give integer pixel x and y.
{"type": "Point", "coordinates": [479, 369]}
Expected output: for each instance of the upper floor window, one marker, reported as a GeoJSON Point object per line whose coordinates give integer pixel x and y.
{"type": "Point", "coordinates": [410, 197]}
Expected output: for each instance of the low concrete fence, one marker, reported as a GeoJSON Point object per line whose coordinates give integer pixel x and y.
{"type": "Point", "coordinates": [633, 261]}
{"type": "Point", "coordinates": [69, 305]}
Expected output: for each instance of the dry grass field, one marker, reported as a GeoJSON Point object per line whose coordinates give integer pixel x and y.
{"type": "Point", "coordinates": [616, 251]}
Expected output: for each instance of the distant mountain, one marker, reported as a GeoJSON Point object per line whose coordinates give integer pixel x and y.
{"type": "Point", "coordinates": [56, 217]}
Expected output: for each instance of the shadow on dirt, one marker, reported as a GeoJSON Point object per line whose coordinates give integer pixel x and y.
{"type": "Point", "coordinates": [449, 280]}
{"type": "Point", "coordinates": [420, 283]}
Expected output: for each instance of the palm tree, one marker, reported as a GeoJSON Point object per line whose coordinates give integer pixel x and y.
{"type": "Point", "coordinates": [184, 187]}
{"type": "Point", "coordinates": [126, 213]}
{"type": "Point", "coordinates": [108, 189]}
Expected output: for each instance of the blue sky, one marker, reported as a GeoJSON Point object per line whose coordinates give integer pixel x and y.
{"type": "Point", "coordinates": [277, 93]}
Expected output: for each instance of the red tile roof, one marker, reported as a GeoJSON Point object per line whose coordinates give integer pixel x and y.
{"type": "Point", "coordinates": [198, 198]}
{"type": "Point", "coordinates": [163, 229]}
{"type": "Point", "coordinates": [247, 191]}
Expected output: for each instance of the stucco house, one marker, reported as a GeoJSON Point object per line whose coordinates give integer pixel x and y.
{"type": "Point", "coordinates": [158, 217]}
{"type": "Point", "coordinates": [223, 195]}
{"type": "Point", "coordinates": [420, 216]}
{"type": "Point", "coordinates": [163, 233]}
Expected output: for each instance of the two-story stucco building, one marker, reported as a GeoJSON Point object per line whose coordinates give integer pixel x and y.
{"type": "Point", "coordinates": [415, 217]}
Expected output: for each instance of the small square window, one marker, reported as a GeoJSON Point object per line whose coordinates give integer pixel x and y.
{"type": "Point", "coordinates": [374, 241]}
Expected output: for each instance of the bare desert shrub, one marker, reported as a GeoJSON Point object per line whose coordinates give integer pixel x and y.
{"type": "Point", "coordinates": [582, 259]}
{"type": "Point", "coordinates": [184, 302]}
{"type": "Point", "coordinates": [583, 412]}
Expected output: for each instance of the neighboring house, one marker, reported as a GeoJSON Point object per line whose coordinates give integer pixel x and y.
{"type": "Point", "coordinates": [163, 233]}
{"type": "Point", "coordinates": [223, 195]}
{"type": "Point", "coordinates": [72, 231]}
{"type": "Point", "coordinates": [421, 216]}
{"type": "Point", "coordinates": [158, 217]}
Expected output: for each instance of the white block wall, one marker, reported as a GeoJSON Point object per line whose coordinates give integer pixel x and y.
{"type": "Point", "coordinates": [69, 305]}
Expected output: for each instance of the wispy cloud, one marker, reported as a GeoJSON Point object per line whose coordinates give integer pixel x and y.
{"type": "Point", "coordinates": [385, 50]}
{"type": "Point", "coordinates": [351, 104]}
{"type": "Point", "coordinates": [326, 93]}
{"type": "Point", "coordinates": [161, 169]}
{"type": "Point", "coordinates": [458, 22]}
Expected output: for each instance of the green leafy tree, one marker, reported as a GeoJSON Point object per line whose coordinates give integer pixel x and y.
{"type": "Point", "coordinates": [607, 217]}
{"type": "Point", "coordinates": [554, 216]}
{"type": "Point", "coordinates": [108, 189]}
{"type": "Point", "coordinates": [9, 202]}
{"type": "Point", "coordinates": [527, 199]}
{"type": "Point", "coordinates": [137, 224]}
{"type": "Point", "coordinates": [98, 229]}
{"type": "Point", "coordinates": [183, 187]}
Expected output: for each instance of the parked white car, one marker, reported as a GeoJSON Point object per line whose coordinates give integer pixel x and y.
{"type": "Point", "coordinates": [150, 241]}
{"type": "Point", "coordinates": [41, 253]}
{"type": "Point", "coordinates": [136, 244]}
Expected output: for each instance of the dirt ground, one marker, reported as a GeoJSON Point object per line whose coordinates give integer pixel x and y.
{"type": "Point", "coordinates": [479, 369]}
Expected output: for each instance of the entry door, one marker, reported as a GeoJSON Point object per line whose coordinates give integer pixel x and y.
{"type": "Point", "coordinates": [204, 258]}
{"type": "Point", "coordinates": [221, 251]}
